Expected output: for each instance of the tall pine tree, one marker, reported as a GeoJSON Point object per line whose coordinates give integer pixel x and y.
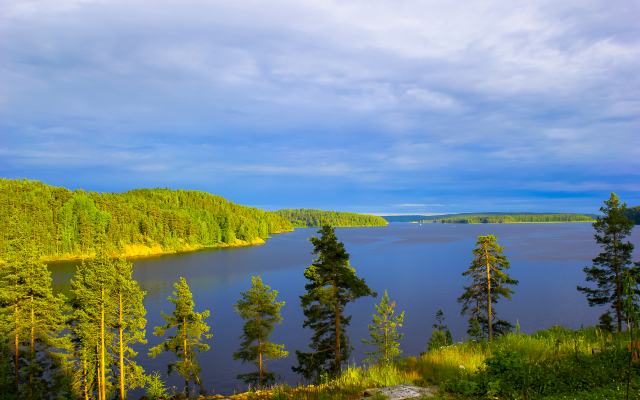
{"type": "Point", "coordinates": [94, 312]}
{"type": "Point", "coordinates": [186, 343]}
{"type": "Point", "coordinates": [332, 285]}
{"type": "Point", "coordinates": [610, 266]}
{"type": "Point", "coordinates": [33, 317]}
{"type": "Point", "coordinates": [383, 333]}
{"type": "Point", "coordinates": [128, 326]}
{"type": "Point", "coordinates": [261, 311]}
{"type": "Point", "coordinates": [489, 280]}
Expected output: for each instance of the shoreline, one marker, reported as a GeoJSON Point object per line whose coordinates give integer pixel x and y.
{"type": "Point", "coordinates": [500, 223]}
{"type": "Point", "coordinates": [138, 251]}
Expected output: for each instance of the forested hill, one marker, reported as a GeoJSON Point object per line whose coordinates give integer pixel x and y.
{"type": "Point", "coordinates": [511, 218]}
{"type": "Point", "coordinates": [304, 218]}
{"type": "Point", "coordinates": [633, 214]}
{"type": "Point", "coordinates": [64, 223]}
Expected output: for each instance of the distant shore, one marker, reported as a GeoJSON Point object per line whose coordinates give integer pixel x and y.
{"type": "Point", "coordinates": [143, 251]}
{"type": "Point", "coordinates": [500, 223]}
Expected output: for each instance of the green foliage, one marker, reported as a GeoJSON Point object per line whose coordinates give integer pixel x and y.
{"type": "Point", "coordinates": [155, 387]}
{"type": "Point", "coordinates": [610, 266]}
{"type": "Point", "coordinates": [128, 326]}
{"type": "Point", "coordinates": [63, 222]}
{"type": "Point", "coordinates": [510, 218]}
{"type": "Point", "coordinates": [606, 322]}
{"type": "Point", "coordinates": [633, 214]}
{"type": "Point", "coordinates": [383, 333]}
{"type": "Point", "coordinates": [31, 319]}
{"type": "Point", "coordinates": [186, 342]}
{"type": "Point", "coordinates": [440, 336]}
{"type": "Point", "coordinates": [94, 311]}
{"type": "Point", "coordinates": [261, 312]}
{"type": "Point", "coordinates": [488, 285]}
{"type": "Point", "coordinates": [332, 284]}
{"type": "Point", "coordinates": [307, 218]}
{"type": "Point", "coordinates": [475, 330]}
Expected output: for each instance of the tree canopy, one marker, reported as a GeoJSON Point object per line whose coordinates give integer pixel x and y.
{"type": "Point", "coordinates": [307, 218]}
{"type": "Point", "coordinates": [609, 267]}
{"type": "Point", "coordinates": [332, 284]}
{"type": "Point", "coordinates": [487, 286]}
{"type": "Point", "coordinates": [63, 223]}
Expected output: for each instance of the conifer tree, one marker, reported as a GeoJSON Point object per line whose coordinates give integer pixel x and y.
{"type": "Point", "coordinates": [441, 336]}
{"type": "Point", "coordinates": [94, 312]}
{"type": "Point", "coordinates": [383, 333]}
{"type": "Point", "coordinates": [332, 285]}
{"type": "Point", "coordinates": [128, 326]}
{"type": "Point", "coordinates": [32, 316]}
{"type": "Point", "coordinates": [260, 310]}
{"type": "Point", "coordinates": [186, 342]}
{"type": "Point", "coordinates": [45, 320]}
{"type": "Point", "coordinates": [488, 285]}
{"type": "Point", "coordinates": [610, 266]}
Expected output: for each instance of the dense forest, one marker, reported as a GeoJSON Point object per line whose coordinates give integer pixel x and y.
{"type": "Point", "coordinates": [633, 214]}
{"type": "Point", "coordinates": [305, 218]}
{"type": "Point", "coordinates": [64, 223]}
{"type": "Point", "coordinates": [514, 218]}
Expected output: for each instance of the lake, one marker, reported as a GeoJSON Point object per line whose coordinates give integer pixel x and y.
{"type": "Point", "coordinates": [420, 265]}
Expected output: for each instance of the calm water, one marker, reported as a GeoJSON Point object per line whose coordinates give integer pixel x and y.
{"type": "Point", "coordinates": [419, 265]}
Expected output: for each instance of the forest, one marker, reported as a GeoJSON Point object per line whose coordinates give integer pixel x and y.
{"type": "Point", "coordinates": [307, 218]}
{"type": "Point", "coordinates": [514, 218]}
{"type": "Point", "coordinates": [633, 214]}
{"type": "Point", "coordinates": [63, 223]}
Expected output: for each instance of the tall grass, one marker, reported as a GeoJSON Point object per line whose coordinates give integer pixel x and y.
{"type": "Point", "coordinates": [551, 344]}
{"type": "Point", "coordinates": [452, 363]}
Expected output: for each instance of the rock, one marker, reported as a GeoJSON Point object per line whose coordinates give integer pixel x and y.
{"type": "Point", "coordinates": [404, 391]}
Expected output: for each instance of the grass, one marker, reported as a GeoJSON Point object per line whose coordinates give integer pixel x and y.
{"type": "Point", "coordinates": [555, 364]}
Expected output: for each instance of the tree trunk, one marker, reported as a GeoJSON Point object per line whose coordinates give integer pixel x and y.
{"type": "Point", "coordinates": [259, 355]}
{"type": "Point", "coordinates": [122, 395]}
{"type": "Point", "coordinates": [490, 319]}
{"type": "Point", "coordinates": [336, 305]}
{"type": "Point", "coordinates": [618, 283]}
{"type": "Point", "coordinates": [33, 351]}
{"type": "Point", "coordinates": [186, 378]}
{"type": "Point", "coordinates": [103, 386]}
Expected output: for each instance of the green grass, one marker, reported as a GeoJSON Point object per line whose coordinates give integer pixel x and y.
{"type": "Point", "coordinates": [555, 364]}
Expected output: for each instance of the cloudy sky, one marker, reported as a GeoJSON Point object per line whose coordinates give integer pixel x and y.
{"type": "Point", "coordinates": [421, 106]}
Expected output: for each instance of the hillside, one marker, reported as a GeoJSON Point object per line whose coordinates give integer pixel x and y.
{"type": "Point", "coordinates": [64, 223]}
{"type": "Point", "coordinates": [305, 218]}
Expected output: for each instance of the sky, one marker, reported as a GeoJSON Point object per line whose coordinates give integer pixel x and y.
{"type": "Point", "coordinates": [383, 107]}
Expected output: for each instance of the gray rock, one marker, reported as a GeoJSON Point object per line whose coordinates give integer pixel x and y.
{"type": "Point", "coordinates": [404, 391]}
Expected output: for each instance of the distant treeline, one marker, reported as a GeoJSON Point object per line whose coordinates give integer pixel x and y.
{"type": "Point", "coordinates": [506, 219]}
{"type": "Point", "coordinates": [304, 218]}
{"type": "Point", "coordinates": [64, 223]}
{"type": "Point", "coordinates": [633, 214]}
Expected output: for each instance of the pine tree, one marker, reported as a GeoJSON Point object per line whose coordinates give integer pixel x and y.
{"type": "Point", "coordinates": [332, 285]}
{"type": "Point", "coordinates": [610, 266]}
{"type": "Point", "coordinates": [475, 330]}
{"type": "Point", "coordinates": [94, 312]}
{"type": "Point", "coordinates": [32, 316]}
{"type": "Point", "coordinates": [261, 311]}
{"type": "Point", "coordinates": [186, 342]}
{"type": "Point", "coordinates": [441, 336]}
{"type": "Point", "coordinates": [488, 285]}
{"type": "Point", "coordinates": [383, 333]}
{"type": "Point", "coordinates": [128, 326]}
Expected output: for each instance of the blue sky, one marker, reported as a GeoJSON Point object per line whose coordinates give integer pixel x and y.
{"type": "Point", "coordinates": [388, 107]}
